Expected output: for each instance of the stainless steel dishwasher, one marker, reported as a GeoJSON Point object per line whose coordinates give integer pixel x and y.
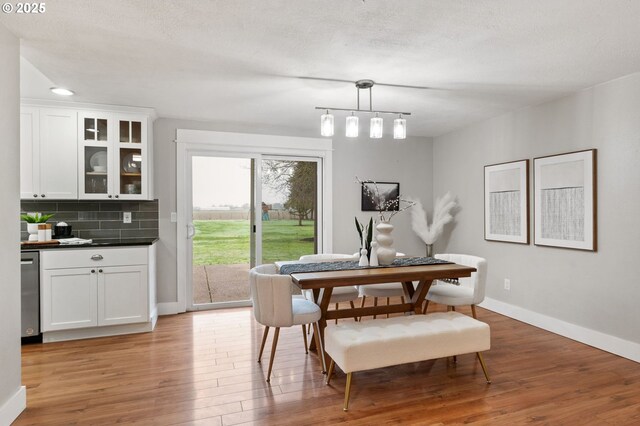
{"type": "Point", "coordinates": [30, 269]}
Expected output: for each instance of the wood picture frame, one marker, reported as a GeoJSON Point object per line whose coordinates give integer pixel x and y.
{"type": "Point", "coordinates": [506, 202]}
{"type": "Point", "coordinates": [565, 200]}
{"type": "Point", "coordinates": [386, 191]}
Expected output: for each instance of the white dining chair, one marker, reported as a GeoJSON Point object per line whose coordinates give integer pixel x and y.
{"type": "Point", "coordinates": [338, 294]}
{"type": "Point", "coordinates": [386, 290]}
{"type": "Point", "coordinates": [470, 290]}
{"type": "Point", "coordinates": [274, 306]}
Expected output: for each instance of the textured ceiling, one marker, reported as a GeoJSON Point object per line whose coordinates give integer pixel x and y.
{"type": "Point", "coordinates": [237, 61]}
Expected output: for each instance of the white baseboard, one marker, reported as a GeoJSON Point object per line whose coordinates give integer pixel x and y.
{"type": "Point", "coordinates": [615, 345]}
{"type": "Point", "coordinates": [15, 405]}
{"type": "Point", "coordinates": [168, 308]}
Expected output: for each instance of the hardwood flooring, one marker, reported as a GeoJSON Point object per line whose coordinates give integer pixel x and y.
{"type": "Point", "coordinates": [200, 368]}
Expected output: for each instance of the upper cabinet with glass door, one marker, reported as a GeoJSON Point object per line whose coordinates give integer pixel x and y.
{"type": "Point", "coordinates": [113, 156]}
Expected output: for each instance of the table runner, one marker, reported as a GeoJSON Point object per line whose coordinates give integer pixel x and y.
{"type": "Point", "coordinates": [341, 265]}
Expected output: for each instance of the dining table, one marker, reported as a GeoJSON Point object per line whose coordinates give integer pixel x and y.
{"type": "Point", "coordinates": [322, 284]}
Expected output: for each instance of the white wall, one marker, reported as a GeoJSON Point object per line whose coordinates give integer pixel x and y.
{"type": "Point", "coordinates": [11, 394]}
{"type": "Point", "coordinates": [594, 291]}
{"type": "Point", "coordinates": [408, 162]}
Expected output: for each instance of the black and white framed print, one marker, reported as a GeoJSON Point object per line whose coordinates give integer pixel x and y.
{"type": "Point", "coordinates": [506, 202]}
{"type": "Point", "coordinates": [380, 196]}
{"type": "Point", "coordinates": [565, 200]}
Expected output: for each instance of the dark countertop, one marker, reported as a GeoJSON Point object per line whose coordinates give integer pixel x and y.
{"type": "Point", "coordinates": [97, 242]}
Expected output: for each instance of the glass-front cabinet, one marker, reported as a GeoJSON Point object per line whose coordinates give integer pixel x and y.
{"type": "Point", "coordinates": [113, 156]}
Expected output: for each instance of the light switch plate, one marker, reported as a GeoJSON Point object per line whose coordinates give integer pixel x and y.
{"type": "Point", "coordinates": [174, 217]}
{"type": "Point", "coordinates": [126, 217]}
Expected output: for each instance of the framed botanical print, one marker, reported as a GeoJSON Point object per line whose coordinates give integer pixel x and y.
{"type": "Point", "coordinates": [565, 200]}
{"type": "Point", "coordinates": [506, 202]}
{"type": "Point", "coordinates": [380, 195]}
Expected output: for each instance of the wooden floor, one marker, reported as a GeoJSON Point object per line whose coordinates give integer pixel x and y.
{"type": "Point", "coordinates": [200, 368]}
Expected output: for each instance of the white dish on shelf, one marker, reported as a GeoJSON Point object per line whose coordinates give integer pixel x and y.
{"type": "Point", "coordinates": [98, 159]}
{"type": "Point", "coordinates": [129, 163]}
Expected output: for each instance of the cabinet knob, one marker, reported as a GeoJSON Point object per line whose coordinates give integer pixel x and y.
{"type": "Point", "coordinates": [97, 257]}
{"type": "Point", "coordinates": [35, 195]}
{"type": "Point", "coordinates": [42, 195]}
{"type": "Point", "coordinates": [93, 271]}
{"type": "Point", "coordinates": [117, 196]}
{"type": "Point", "coordinates": [109, 196]}
{"type": "Point", "coordinates": [99, 270]}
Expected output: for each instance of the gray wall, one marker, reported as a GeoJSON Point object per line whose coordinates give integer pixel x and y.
{"type": "Point", "coordinates": [9, 210]}
{"type": "Point", "coordinates": [409, 162]}
{"type": "Point", "coordinates": [598, 291]}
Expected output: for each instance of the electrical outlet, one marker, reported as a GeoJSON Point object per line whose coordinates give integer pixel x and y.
{"type": "Point", "coordinates": [174, 217]}
{"type": "Point", "coordinates": [126, 217]}
{"type": "Point", "coordinates": [507, 284]}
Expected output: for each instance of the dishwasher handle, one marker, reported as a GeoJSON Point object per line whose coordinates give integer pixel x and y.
{"type": "Point", "coordinates": [97, 257]}
{"type": "Point", "coordinates": [26, 262]}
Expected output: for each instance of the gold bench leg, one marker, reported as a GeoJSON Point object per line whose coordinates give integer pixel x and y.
{"type": "Point", "coordinates": [330, 371]}
{"type": "Point", "coordinates": [347, 390]}
{"type": "Point", "coordinates": [362, 305]}
{"type": "Point", "coordinates": [484, 367]}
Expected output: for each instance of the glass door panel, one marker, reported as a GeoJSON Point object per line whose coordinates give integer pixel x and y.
{"type": "Point", "coordinates": [222, 194]}
{"type": "Point", "coordinates": [289, 209]}
{"type": "Point", "coordinates": [96, 166]}
{"type": "Point", "coordinates": [95, 129]}
{"type": "Point", "coordinates": [130, 171]}
{"type": "Point", "coordinates": [130, 131]}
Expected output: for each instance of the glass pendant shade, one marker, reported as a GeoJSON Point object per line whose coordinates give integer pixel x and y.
{"type": "Point", "coordinates": [352, 126]}
{"type": "Point", "coordinates": [375, 130]}
{"type": "Point", "coordinates": [326, 124]}
{"type": "Point", "coordinates": [400, 128]}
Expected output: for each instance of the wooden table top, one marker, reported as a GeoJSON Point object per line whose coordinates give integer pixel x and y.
{"type": "Point", "coordinates": [314, 280]}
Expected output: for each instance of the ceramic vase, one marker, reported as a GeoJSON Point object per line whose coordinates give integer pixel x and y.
{"type": "Point", "coordinates": [386, 252]}
{"type": "Point", "coordinates": [32, 229]}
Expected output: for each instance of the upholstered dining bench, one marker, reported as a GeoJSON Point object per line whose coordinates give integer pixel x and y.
{"type": "Point", "coordinates": [399, 340]}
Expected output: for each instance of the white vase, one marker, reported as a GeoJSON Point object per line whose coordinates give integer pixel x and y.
{"type": "Point", "coordinates": [32, 229]}
{"type": "Point", "coordinates": [386, 252]}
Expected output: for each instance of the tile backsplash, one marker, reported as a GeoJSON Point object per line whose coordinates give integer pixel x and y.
{"type": "Point", "coordinates": [98, 219]}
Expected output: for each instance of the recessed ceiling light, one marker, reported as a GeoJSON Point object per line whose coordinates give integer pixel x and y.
{"type": "Point", "coordinates": [62, 91]}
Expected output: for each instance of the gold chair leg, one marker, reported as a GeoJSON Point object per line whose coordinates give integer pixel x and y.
{"type": "Point", "coordinates": [362, 304]}
{"type": "Point", "coordinates": [336, 310]}
{"type": "Point", "coordinates": [347, 391]}
{"type": "Point", "coordinates": [484, 367]}
{"type": "Point", "coordinates": [304, 335]}
{"type": "Point", "coordinates": [473, 311]}
{"type": "Point", "coordinates": [319, 345]}
{"type": "Point", "coordinates": [330, 371]}
{"type": "Point", "coordinates": [375, 303]}
{"type": "Point", "coordinates": [273, 352]}
{"type": "Point", "coordinates": [426, 305]}
{"type": "Point", "coordinates": [388, 301]}
{"type": "Point", "coordinates": [264, 340]}
{"type": "Point", "coordinates": [353, 307]}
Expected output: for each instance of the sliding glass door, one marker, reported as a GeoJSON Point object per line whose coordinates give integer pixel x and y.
{"type": "Point", "coordinates": [247, 210]}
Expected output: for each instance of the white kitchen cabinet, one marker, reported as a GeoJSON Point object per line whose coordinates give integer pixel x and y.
{"type": "Point", "coordinates": [69, 298]}
{"type": "Point", "coordinates": [89, 288]}
{"type": "Point", "coordinates": [48, 153]}
{"type": "Point", "coordinates": [122, 292]}
{"type": "Point", "coordinates": [113, 156]}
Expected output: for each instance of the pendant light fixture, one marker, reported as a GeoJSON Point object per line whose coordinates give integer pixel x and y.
{"type": "Point", "coordinates": [400, 128]}
{"type": "Point", "coordinates": [376, 124]}
{"type": "Point", "coordinates": [375, 129]}
{"type": "Point", "coordinates": [351, 126]}
{"type": "Point", "coordinates": [326, 124]}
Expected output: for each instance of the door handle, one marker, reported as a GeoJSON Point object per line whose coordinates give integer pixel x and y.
{"type": "Point", "coordinates": [97, 257]}
{"type": "Point", "coordinates": [191, 231]}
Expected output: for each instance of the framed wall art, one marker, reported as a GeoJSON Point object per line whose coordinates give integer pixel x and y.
{"type": "Point", "coordinates": [506, 202]}
{"type": "Point", "coordinates": [376, 194]}
{"type": "Point", "coordinates": [565, 200]}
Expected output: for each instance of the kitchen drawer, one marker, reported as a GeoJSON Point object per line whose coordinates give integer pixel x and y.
{"type": "Point", "coordinates": [89, 257]}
